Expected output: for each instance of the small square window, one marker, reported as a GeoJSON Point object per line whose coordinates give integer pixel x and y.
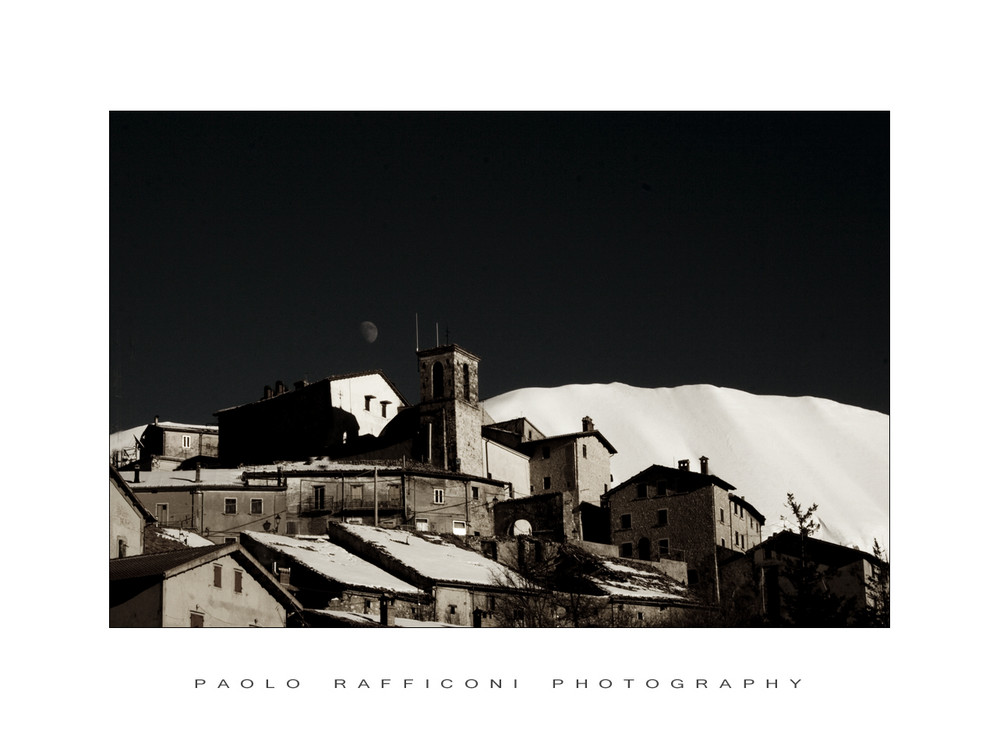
{"type": "Point", "coordinates": [475, 492]}
{"type": "Point", "coordinates": [458, 527]}
{"type": "Point", "coordinates": [256, 506]}
{"type": "Point", "coordinates": [439, 496]}
{"type": "Point", "coordinates": [625, 550]}
{"type": "Point", "coordinates": [422, 524]}
{"type": "Point", "coordinates": [547, 482]}
{"type": "Point", "coordinates": [626, 522]}
{"type": "Point", "coordinates": [185, 441]}
{"type": "Point", "coordinates": [546, 452]}
{"type": "Point", "coordinates": [664, 547]}
{"type": "Point", "coordinates": [230, 506]}
{"type": "Point", "coordinates": [661, 517]}
{"type": "Point", "coordinates": [640, 491]}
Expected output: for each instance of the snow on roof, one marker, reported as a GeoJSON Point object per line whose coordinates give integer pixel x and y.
{"type": "Point", "coordinates": [125, 439]}
{"type": "Point", "coordinates": [160, 478]}
{"type": "Point", "coordinates": [330, 560]}
{"type": "Point", "coordinates": [184, 536]}
{"type": "Point", "coordinates": [187, 426]}
{"type": "Point", "coordinates": [620, 580]}
{"type": "Point", "coordinates": [433, 557]}
{"type": "Point", "coordinates": [355, 617]}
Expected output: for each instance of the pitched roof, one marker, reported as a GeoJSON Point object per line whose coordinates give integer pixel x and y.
{"type": "Point", "coordinates": [126, 491]}
{"type": "Point", "coordinates": [425, 556]}
{"type": "Point", "coordinates": [533, 444]}
{"type": "Point", "coordinates": [789, 543]}
{"type": "Point", "coordinates": [328, 379]}
{"type": "Point", "coordinates": [164, 564]}
{"type": "Point", "coordinates": [676, 479]}
{"type": "Point", "coordinates": [160, 566]}
{"type": "Point", "coordinates": [321, 556]}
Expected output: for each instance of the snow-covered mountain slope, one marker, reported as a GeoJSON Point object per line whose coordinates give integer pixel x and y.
{"type": "Point", "coordinates": [766, 446]}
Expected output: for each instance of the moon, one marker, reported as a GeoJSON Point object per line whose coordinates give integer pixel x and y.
{"type": "Point", "coordinates": [369, 331]}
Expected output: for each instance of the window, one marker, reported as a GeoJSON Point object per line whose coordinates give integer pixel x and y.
{"type": "Point", "coordinates": [625, 550]}
{"type": "Point", "coordinates": [197, 620]}
{"type": "Point", "coordinates": [722, 515]}
{"type": "Point", "coordinates": [238, 581]}
{"type": "Point", "coordinates": [256, 506]}
{"type": "Point", "coordinates": [458, 527]}
{"type": "Point", "coordinates": [723, 542]}
{"type": "Point", "coordinates": [217, 575]}
{"type": "Point", "coordinates": [585, 450]}
{"type": "Point", "coordinates": [229, 540]}
{"type": "Point", "coordinates": [368, 606]}
{"type": "Point", "coordinates": [161, 512]}
{"type": "Point", "coordinates": [640, 492]}
{"type": "Point", "coordinates": [692, 576]}
{"type": "Point", "coordinates": [122, 548]}
{"type": "Point", "coordinates": [663, 546]}
{"type": "Point", "coordinates": [661, 488]}
{"type": "Point", "coordinates": [439, 496]}
{"type": "Point", "coordinates": [638, 617]}
{"type": "Point", "coordinates": [492, 603]}
{"type": "Point", "coordinates": [626, 522]}
{"type": "Point", "coordinates": [185, 441]}
{"type": "Point", "coordinates": [547, 482]}
{"type": "Point", "coordinates": [452, 609]}
{"type": "Point", "coordinates": [357, 490]}
{"type": "Point", "coordinates": [230, 508]}
{"type": "Point", "coordinates": [661, 517]}
{"type": "Point", "coordinates": [319, 497]}
{"type": "Point", "coordinates": [475, 492]}
{"type": "Point", "coordinates": [465, 382]}
{"type": "Point", "coordinates": [546, 452]}
{"type": "Point", "coordinates": [421, 524]}
{"type": "Point", "coordinates": [437, 380]}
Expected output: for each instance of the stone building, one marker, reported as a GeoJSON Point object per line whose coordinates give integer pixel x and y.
{"type": "Point", "coordinates": [212, 586]}
{"type": "Point", "coordinates": [840, 579]}
{"type": "Point", "coordinates": [128, 519]}
{"type": "Point", "coordinates": [163, 445]}
{"type": "Point", "coordinates": [324, 576]}
{"type": "Point", "coordinates": [331, 417]}
{"type": "Point", "coordinates": [682, 515]}
{"type": "Point", "coordinates": [465, 587]}
{"type": "Point", "coordinates": [218, 504]}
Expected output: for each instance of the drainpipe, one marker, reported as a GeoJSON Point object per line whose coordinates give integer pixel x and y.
{"type": "Point", "coordinates": [375, 470]}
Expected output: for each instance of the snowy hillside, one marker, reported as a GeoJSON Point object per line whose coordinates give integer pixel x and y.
{"type": "Point", "coordinates": [820, 450]}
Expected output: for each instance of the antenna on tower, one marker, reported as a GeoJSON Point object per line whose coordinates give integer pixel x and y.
{"type": "Point", "coordinates": [416, 320]}
{"type": "Point", "coordinates": [437, 337]}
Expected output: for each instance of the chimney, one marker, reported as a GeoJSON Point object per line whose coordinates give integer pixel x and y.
{"type": "Point", "coordinates": [684, 465]}
{"type": "Point", "coordinates": [386, 611]}
{"type": "Point", "coordinates": [197, 471]}
{"type": "Point", "coordinates": [588, 424]}
{"type": "Point", "coordinates": [268, 392]}
{"type": "Point", "coordinates": [299, 385]}
{"type": "Point", "coordinates": [135, 477]}
{"type": "Point", "coordinates": [704, 464]}
{"type": "Point", "coordinates": [279, 388]}
{"type": "Point", "coordinates": [156, 419]}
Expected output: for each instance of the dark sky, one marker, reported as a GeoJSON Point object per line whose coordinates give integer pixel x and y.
{"type": "Point", "coordinates": [746, 250]}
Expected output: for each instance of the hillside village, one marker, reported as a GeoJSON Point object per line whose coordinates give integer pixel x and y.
{"type": "Point", "coordinates": [337, 503]}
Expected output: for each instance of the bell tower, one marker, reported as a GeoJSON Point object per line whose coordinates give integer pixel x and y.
{"type": "Point", "coordinates": [451, 418]}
